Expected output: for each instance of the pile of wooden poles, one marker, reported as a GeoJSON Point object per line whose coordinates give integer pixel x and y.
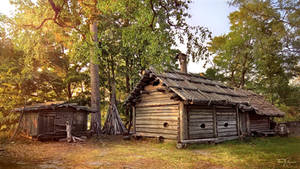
{"type": "Point", "coordinates": [113, 124]}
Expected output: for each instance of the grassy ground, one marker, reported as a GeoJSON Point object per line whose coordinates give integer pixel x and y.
{"type": "Point", "coordinates": [113, 152]}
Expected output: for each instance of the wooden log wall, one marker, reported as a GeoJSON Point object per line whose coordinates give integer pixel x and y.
{"type": "Point", "coordinates": [259, 123]}
{"type": "Point", "coordinates": [29, 124]}
{"type": "Point", "coordinates": [53, 122]}
{"type": "Point", "coordinates": [201, 122]}
{"type": "Point", "coordinates": [156, 115]}
{"type": "Point", "coordinates": [226, 121]}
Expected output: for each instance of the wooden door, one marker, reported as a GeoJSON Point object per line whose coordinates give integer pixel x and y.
{"type": "Point", "coordinates": [200, 122]}
{"type": "Point", "coordinates": [46, 125]}
{"type": "Point", "coordinates": [226, 121]}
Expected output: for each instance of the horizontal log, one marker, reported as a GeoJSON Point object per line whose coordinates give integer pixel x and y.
{"type": "Point", "coordinates": [151, 104]}
{"type": "Point", "coordinates": [152, 126]}
{"type": "Point", "coordinates": [196, 122]}
{"type": "Point", "coordinates": [201, 132]}
{"type": "Point", "coordinates": [193, 124]}
{"type": "Point", "coordinates": [226, 118]}
{"type": "Point", "coordinates": [199, 140]}
{"type": "Point", "coordinates": [157, 118]}
{"type": "Point", "coordinates": [168, 107]}
{"type": "Point", "coordinates": [222, 122]}
{"type": "Point", "coordinates": [200, 116]}
{"type": "Point", "coordinates": [229, 126]}
{"type": "Point", "coordinates": [156, 114]}
{"type": "Point", "coordinates": [162, 131]}
{"type": "Point", "coordinates": [155, 99]}
{"type": "Point", "coordinates": [199, 136]}
{"type": "Point", "coordinates": [227, 134]}
{"type": "Point", "coordinates": [157, 122]}
{"type": "Point", "coordinates": [200, 120]}
{"type": "Point", "coordinates": [193, 128]}
{"type": "Point", "coordinates": [204, 113]}
{"type": "Point", "coordinates": [226, 130]}
{"type": "Point", "coordinates": [226, 114]}
{"type": "Point", "coordinates": [146, 134]}
{"type": "Point", "coordinates": [201, 111]}
{"type": "Point", "coordinates": [157, 111]}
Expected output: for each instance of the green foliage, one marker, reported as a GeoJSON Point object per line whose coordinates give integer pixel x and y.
{"type": "Point", "coordinates": [259, 52]}
{"type": "Point", "coordinates": [50, 47]}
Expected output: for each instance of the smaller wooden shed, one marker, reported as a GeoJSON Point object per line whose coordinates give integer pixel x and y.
{"type": "Point", "coordinates": [48, 120]}
{"type": "Point", "coordinates": [259, 115]}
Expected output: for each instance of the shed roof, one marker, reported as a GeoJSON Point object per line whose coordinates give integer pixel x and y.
{"type": "Point", "coordinates": [52, 106]}
{"type": "Point", "coordinates": [198, 89]}
{"type": "Point", "coordinates": [260, 104]}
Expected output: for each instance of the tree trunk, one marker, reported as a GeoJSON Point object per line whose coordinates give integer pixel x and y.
{"type": "Point", "coordinates": [128, 87]}
{"type": "Point", "coordinates": [94, 73]}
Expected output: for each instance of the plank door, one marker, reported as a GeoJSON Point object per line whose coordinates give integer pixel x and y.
{"type": "Point", "coordinates": [200, 120]}
{"type": "Point", "coordinates": [46, 123]}
{"type": "Point", "coordinates": [226, 121]}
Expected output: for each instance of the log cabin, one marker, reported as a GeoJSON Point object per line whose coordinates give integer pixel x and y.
{"type": "Point", "coordinates": [48, 120]}
{"type": "Point", "coordinates": [193, 109]}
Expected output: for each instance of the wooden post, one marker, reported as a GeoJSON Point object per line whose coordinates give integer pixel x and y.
{"type": "Point", "coordinates": [215, 121]}
{"type": "Point", "coordinates": [68, 129]}
{"type": "Point", "coordinates": [248, 123]}
{"type": "Point", "coordinates": [133, 118]}
{"type": "Point", "coordinates": [183, 122]}
{"type": "Point", "coordinates": [238, 120]}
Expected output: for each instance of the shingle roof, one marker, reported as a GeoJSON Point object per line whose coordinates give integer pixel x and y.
{"type": "Point", "coordinates": [198, 89]}
{"type": "Point", "coordinates": [52, 105]}
{"type": "Point", "coordinates": [260, 105]}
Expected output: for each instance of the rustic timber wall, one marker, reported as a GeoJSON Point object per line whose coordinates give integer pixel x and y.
{"type": "Point", "coordinates": [244, 123]}
{"type": "Point", "coordinates": [53, 122]}
{"type": "Point", "coordinates": [200, 122]}
{"type": "Point", "coordinates": [29, 124]}
{"type": "Point", "coordinates": [226, 121]}
{"type": "Point", "coordinates": [156, 114]}
{"type": "Point", "coordinates": [258, 122]}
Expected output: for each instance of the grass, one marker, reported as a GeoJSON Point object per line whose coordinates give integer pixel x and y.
{"type": "Point", "coordinates": [113, 152]}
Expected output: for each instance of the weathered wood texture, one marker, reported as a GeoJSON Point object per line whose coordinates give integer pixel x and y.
{"type": "Point", "coordinates": [200, 122]}
{"type": "Point", "coordinates": [156, 115]}
{"type": "Point", "coordinates": [226, 121]}
{"type": "Point", "coordinates": [29, 124]}
{"type": "Point", "coordinates": [243, 122]}
{"type": "Point", "coordinates": [52, 123]}
{"type": "Point", "coordinates": [183, 122]}
{"type": "Point", "coordinates": [259, 123]}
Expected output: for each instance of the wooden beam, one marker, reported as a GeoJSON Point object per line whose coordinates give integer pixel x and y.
{"type": "Point", "coordinates": [248, 123]}
{"type": "Point", "coordinates": [199, 140]}
{"type": "Point", "coordinates": [183, 122]}
{"type": "Point", "coordinates": [238, 120]}
{"type": "Point", "coordinates": [215, 121]}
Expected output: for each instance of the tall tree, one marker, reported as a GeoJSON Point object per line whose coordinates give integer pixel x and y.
{"type": "Point", "coordinates": [147, 32]}
{"type": "Point", "coordinates": [256, 53]}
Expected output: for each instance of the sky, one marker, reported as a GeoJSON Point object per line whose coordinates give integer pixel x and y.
{"type": "Point", "coordinates": [212, 14]}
